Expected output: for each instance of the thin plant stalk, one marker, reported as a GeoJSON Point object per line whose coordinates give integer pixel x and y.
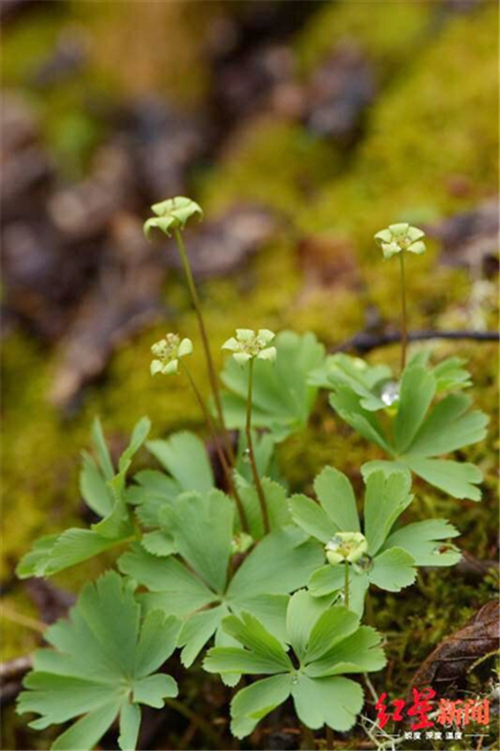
{"type": "Point", "coordinates": [220, 453]}
{"type": "Point", "coordinates": [251, 454]}
{"type": "Point", "coordinates": [329, 738]}
{"type": "Point", "coordinates": [308, 742]}
{"type": "Point", "coordinates": [404, 328]}
{"type": "Point", "coordinates": [346, 584]}
{"type": "Point", "coordinates": [204, 338]}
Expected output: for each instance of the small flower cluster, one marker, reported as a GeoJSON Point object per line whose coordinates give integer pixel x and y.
{"type": "Point", "coordinates": [172, 214]}
{"type": "Point", "coordinates": [399, 237]}
{"type": "Point", "coordinates": [167, 353]}
{"type": "Point", "coordinates": [248, 345]}
{"type": "Point", "coordinates": [346, 546]}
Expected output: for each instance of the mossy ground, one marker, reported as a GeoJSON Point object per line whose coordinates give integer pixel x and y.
{"type": "Point", "coordinates": [435, 118]}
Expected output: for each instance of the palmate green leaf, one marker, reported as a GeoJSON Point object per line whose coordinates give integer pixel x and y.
{"type": "Point", "coordinates": [393, 569]}
{"type": "Point", "coordinates": [101, 449]}
{"type": "Point", "coordinates": [422, 432]}
{"type": "Point", "coordinates": [264, 448]}
{"type": "Point", "coordinates": [423, 541]}
{"type": "Point", "coordinates": [302, 614]}
{"type": "Point", "coordinates": [182, 587]}
{"type": "Point", "coordinates": [277, 506]}
{"type": "Point", "coordinates": [386, 497]}
{"type": "Point", "coordinates": [366, 381]}
{"type": "Point", "coordinates": [100, 667]}
{"type": "Point", "coordinates": [282, 397]}
{"type": "Point", "coordinates": [458, 479]}
{"type": "Point", "coordinates": [150, 493]}
{"type": "Point", "coordinates": [331, 701]}
{"type": "Point", "coordinates": [360, 652]}
{"type": "Point", "coordinates": [103, 491]}
{"type": "Point", "coordinates": [388, 566]}
{"type": "Point", "coordinates": [117, 524]}
{"type": "Point", "coordinates": [449, 426]}
{"type": "Point", "coordinates": [54, 553]}
{"type": "Point", "coordinates": [252, 704]}
{"type": "Point", "coordinates": [417, 390]}
{"type": "Point", "coordinates": [326, 641]}
{"type": "Point", "coordinates": [185, 458]}
{"type": "Point", "coordinates": [263, 652]}
{"type": "Point", "coordinates": [450, 375]}
{"type": "Point", "coordinates": [336, 496]}
{"type": "Point", "coordinates": [348, 405]}
{"type": "Point", "coordinates": [172, 586]}
{"type": "Point", "coordinates": [94, 488]}
{"type": "Point", "coordinates": [202, 529]}
{"type": "Point", "coordinates": [287, 554]}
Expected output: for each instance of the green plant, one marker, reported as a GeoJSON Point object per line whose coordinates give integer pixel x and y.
{"type": "Point", "coordinates": [414, 429]}
{"type": "Point", "coordinates": [103, 665]}
{"type": "Point", "coordinates": [399, 239]}
{"type": "Point", "coordinates": [327, 642]}
{"type": "Point", "coordinates": [204, 568]}
{"type": "Point", "coordinates": [382, 555]}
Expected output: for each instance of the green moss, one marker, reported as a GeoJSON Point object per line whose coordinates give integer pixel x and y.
{"type": "Point", "coordinates": [390, 33]}
{"type": "Point", "coordinates": [274, 162]}
{"type": "Point", "coordinates": [172, 33]}
{"type": "Point", "coordinates": [440, 120]}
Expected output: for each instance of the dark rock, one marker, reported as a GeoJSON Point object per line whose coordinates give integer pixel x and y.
{"type": "Point", "coordinates": [164, 144]}
{"type": "Point", "coordinates": [471, 238]}
{"type": "Point", "coordinates": [52, 603]}
{"type": "Point", "coordinates": [26, 169]}
{"type": "Point", "coordinates": [44, 277]}
{"type": "Point", "coordinates": [339, 93]}
{"type": "Point", "coordinates": [221, 247]}
{"type": "Point", "coordinates": [256, 83]}
{"type": "Point", "coordinates": [84, 211]}
{"type": "Point", "coordinates": [124, 298]}
{"type": "Point", "coordinates": [67, 58]}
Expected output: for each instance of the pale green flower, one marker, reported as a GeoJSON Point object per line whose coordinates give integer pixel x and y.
{"type": "Point", "coordinates": [248, 345]}
{"type": "Point", "coordinates": [172, 214]}
{"type": "Point", "coordinates": [399, 237]}
{"type": "Point", "coordinates": [167, 353]}
{"type": "Point", "coordinates": [346, 546]}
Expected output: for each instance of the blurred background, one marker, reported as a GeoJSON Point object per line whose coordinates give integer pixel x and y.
{"type": "Point", "coordinates": [301, 128]}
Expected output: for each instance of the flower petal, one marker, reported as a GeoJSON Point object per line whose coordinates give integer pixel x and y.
{"type": "Point", "coordinates": [267, 354]}
{"type": "Point", "coordinates": [156, 367]}
{"type": "Point", "coordinates": [417, 247]}
{"type": "Point", "coordinates": [242, 357]}
{"type": "Point", "coordinates": [185, 348]}
{"type": "Point", "coordinates": [243, 335]}
{"type": "Point", "coordinates": [231, 344]}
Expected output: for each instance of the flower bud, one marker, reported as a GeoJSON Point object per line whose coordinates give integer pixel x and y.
{"type": "Point", "coordinates": [172, 214]}
{"type": "Point", "coordinates": [346, 546]}
{"type": "Point", "coordinates": [167, 353]}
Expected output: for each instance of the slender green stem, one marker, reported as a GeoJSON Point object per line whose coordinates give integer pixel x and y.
{"type": "Point", "coordinates": [404, 329]}
{"type": "Point", "coordinates": [251, 455]}
{"type": "Point", "coordinates": [346, 584]}
{"type": "Point", "coordinates": [204, 338]}
{"type": "Point", "coordinates": [220, 453]}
